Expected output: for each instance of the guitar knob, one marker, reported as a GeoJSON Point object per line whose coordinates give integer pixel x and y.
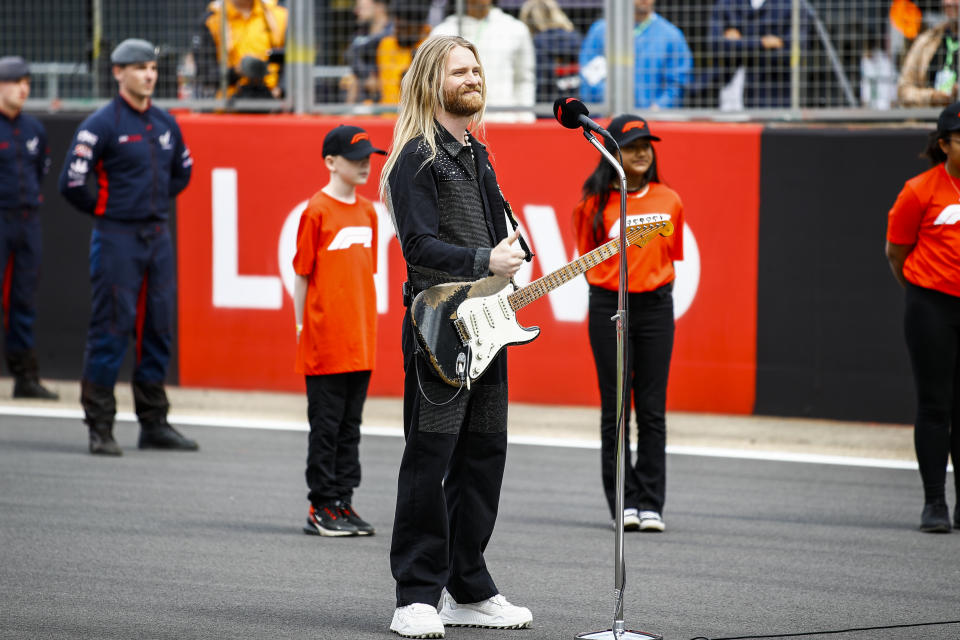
{"type": "Point", "coordinates": [478, 356]}
{"type": "Point", "coordinates": [479, 342]}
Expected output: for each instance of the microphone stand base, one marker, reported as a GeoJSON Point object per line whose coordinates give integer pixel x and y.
{"type": "Point", "coordinates": [610, 634]}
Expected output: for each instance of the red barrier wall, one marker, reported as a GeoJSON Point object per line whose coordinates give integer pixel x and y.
{"type": "Point", "coordinates": [251, 174]}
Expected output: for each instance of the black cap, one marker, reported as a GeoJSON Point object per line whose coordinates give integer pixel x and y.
{"type": "Point", "coordinates": [949, 119]}
{"type": "Point", "coordinates": [13, 68]}
{"type": "Point", "coordinates": [628, 127]}
{"type": "Point", "coordinates": [353, 143]}
{"type": "Point", "coordinates": [133, 51]}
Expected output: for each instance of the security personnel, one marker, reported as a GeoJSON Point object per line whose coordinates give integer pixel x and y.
{"type": "Point", "coordinates": [24, 161]}
{"type": "Point", "coordinates": [140, 162]}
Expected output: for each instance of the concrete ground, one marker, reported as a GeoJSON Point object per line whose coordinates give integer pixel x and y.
{"type": "Point", "coordinates": [752, 433]}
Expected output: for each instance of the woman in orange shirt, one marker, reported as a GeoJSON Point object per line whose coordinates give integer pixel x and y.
{"type": "Point", "coordinates": [650, 304]}
{"type": "Point", "coordinates": [923, 247]}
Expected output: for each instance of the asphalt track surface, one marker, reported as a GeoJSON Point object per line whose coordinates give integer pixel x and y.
{"type": "Point", "coordinates": [209, 545]}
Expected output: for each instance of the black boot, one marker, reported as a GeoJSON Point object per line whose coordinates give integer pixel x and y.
{"type": "Point", "coordinates": [99, 408]}
{"type": "Point", "coordinates": [151, 404]}
{"type": "Point", "coordinates": [935, 518]}
{"type": "Point", "coordinates": [23, 366]}
{"type": "Point", "coordinates": [160, 435]}
{"type": "Point", "coordinates": [101, 439]}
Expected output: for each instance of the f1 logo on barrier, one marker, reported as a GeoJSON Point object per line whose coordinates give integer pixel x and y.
{"type": "Point", "coordinates": [235, 291]}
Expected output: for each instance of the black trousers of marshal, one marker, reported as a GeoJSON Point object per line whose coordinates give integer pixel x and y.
{"type": "Point", "coordinates": [650, 344]}
{"type": "Point", "coordinates": [448, 489]}
{"type": "Point", "coordinates": [932, 328]}
{"type": "Point", "coordinates": [334, 410]}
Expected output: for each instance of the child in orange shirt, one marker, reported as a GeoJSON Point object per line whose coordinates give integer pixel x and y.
{"type": "Point", "coordinates": [336, 313]}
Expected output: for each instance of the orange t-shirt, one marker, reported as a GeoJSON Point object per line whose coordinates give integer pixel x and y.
{"type": "Point", "coordinates": [337, 252]}
{"type": "Point", "coordinates": [927, 213]}
{"type": "Point", "coordinates": [650, 267]}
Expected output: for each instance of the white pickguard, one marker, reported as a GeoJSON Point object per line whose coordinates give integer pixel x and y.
{"type": "Point", "coordinates": [492, 325]}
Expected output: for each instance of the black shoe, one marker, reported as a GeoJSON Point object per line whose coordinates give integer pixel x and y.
{"type": "Point", "coordinates": [326, 520]}
{"type": "Point", "coordinates": [935, 518]}
{"type": "Point", "coordinates": [101, 440]}
{"type": "Point", "coordinates": [160, 435]}
{"type": "Point", "coordinates": [31, 388]}
{"type": "Point", "coordinates": [347, 511]}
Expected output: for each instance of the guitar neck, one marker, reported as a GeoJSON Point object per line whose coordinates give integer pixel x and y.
{"type": "Point", "coordinates": [545, 284]}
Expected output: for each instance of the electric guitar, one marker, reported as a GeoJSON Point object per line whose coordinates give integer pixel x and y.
{"type": "Point", "coordinates": [462, 326]}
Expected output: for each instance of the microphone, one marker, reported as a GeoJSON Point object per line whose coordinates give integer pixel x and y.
{"type": "Point", "coordinates": [572, 113]}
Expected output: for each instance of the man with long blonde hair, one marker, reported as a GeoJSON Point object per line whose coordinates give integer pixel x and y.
{"type": "Point", "coordinates": [451, 221]}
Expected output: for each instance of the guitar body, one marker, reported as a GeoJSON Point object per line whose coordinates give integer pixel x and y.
{"type": "Point", "coordinates": [462, 326]}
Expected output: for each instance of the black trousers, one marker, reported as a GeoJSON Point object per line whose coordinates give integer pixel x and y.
{"type": "Point", "coordinates": [448, 489]}
{"type": "Point", "coordinates": [650, 345]}
{"type": "Point", "coordinates": [932, 328]}
{"type": "Point", "coordinates": [334, 409]}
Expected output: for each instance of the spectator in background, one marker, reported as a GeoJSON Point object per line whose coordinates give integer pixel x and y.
{"type": "Point", "coordinates": [256, 36]}
{"type": "Point", "coordinates": [928, 76]}
{"type": "Point", "coordinates": [396, 49]}
{"type": "Point", "coordinates": [361, 84]}
{"type": "Point", "coordinates": [754, 35]}
{"type": "Point", "coordinates": [24, 161]}
{"type": "Point", "coordinates": [661, 57]}
{"type": "Point", "coordinates": [557, 47]}
{"type": "Point", "coordinates": [507, 49]}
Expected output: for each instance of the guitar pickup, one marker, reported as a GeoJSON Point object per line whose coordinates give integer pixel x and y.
{"type": "Point", "coordinates": [462, 331]}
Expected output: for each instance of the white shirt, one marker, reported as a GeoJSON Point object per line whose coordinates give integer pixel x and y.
{"type": "Point", "coordinates": [506, 52]}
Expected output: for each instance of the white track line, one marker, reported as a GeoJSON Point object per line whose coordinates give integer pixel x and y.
{"type": "Point", "coordinates": [574, 443]}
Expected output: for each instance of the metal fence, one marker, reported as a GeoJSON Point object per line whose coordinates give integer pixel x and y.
{"type": "Point", "coordinates": [720, 59]}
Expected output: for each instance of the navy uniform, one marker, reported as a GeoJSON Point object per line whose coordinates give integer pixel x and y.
{"type": "Point", "coordinates": [140, 163]}
{"type": "Point", "coordinates": [24, 161]}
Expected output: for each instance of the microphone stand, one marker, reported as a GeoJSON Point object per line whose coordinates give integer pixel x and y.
{"type": "Point", "coordinates": [617, 631]}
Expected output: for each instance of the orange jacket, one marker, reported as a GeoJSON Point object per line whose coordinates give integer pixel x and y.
{"type": "Point", "coordinates": [256, 34]}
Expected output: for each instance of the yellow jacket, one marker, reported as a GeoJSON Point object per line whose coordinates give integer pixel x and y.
{"type": "Point", "coordinates": [256, 34]}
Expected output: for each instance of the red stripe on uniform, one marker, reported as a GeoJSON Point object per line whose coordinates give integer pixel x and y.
{"type": "Point", "coordinates": [7, 279]}
{"type": "Point", "coordinates": [141, 314]}
{"type": "Point", "coordinates": [102, 191]}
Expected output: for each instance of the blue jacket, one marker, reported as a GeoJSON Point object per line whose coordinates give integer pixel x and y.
{"type": "Point", "coordinates": [24, 160]}
{"type": "Point", "coordinates": [662, 58]}
{"type": "Point", "coordinates": [140, 162]}
{"type": "Point", "coordinates": [768, 70]}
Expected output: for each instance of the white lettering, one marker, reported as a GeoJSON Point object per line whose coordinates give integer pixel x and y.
{"type": "Point", "coordinates": [688, 274]}
{"type": "Point", "coordinates": [231, 290]}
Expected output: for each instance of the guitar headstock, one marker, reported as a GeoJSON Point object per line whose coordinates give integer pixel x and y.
{"type": "Point", "coordinates": [640, 229]}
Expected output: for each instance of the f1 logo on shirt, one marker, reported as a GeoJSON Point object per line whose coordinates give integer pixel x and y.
{"type": "Point", "coordinates": [949, 215]}
{"type": "Point", "coordinates": [349, 236]}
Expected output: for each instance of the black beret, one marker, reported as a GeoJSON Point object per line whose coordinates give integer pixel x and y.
{"type": "Point", "coordinates": [13, 68]}
{"type": "Point", "coordinates": [132, 51]}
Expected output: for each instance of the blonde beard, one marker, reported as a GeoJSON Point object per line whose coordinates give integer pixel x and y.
{"type": "Point", "coordinates": [458, 105]}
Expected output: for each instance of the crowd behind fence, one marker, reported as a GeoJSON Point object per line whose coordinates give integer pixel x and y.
{"type": "Point", "coordinates": [727, 59]}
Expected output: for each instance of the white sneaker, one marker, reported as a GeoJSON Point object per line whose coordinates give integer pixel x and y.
{"type": "Point", "coordinates": [492, 613]}
{"type": "Point", "coordinates": [417, 620]}
{"type": "Point", "coordinates": [651, 521]}
{"type": "Point", "coordinates": [631, 519]}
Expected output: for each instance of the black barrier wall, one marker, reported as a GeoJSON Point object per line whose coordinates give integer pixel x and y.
{"type": "Point", "coordinates": [830, 314]}
{"type": "Point", "coordinates": [63, 305]}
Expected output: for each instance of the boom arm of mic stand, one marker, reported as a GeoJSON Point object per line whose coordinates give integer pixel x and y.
{"type": "Point", "coordinates": [623, 399]}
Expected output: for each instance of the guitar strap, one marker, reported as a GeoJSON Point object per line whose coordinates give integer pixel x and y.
{"type": "Point", "coordinates": [528, 255]}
